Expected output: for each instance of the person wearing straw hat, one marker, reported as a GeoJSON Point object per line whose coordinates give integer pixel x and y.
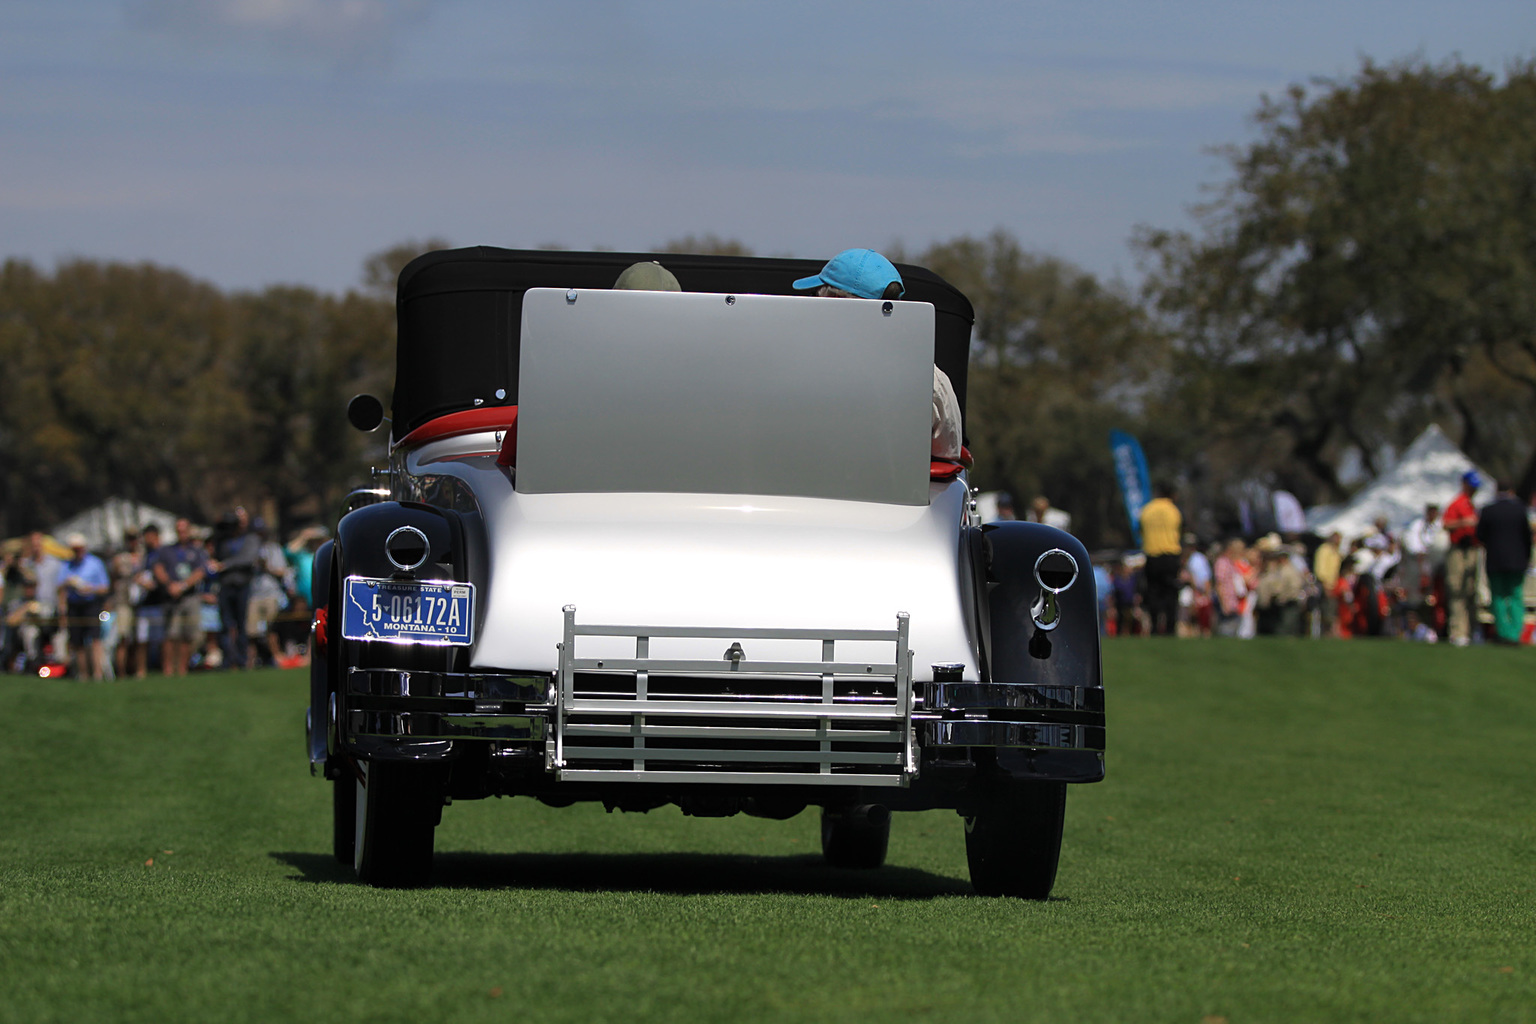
{"type": "Point", "coordinates": [40, 566]}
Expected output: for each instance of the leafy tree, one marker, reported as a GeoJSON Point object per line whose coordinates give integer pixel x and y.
{"type": "Point", "coordinates": [708, 245]}
{"type": "Point", "coordinates": [382, 269]}
{"type": "Point", "coordinates": [1370, 268]}
{"type": "Point", "coordinates": [108, 368]}
{"type": "Point", "coordinates": [1059, 359]}
{"type": "Point", "coordinates": [138, 381]}
{"type": "Point", "coordinates": [300, 357]}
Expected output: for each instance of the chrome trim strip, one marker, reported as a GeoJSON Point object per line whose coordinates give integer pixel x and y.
{"type": "Point", "coordinates": [316, 759]}
{"type": "Point", "coordinates": [529, 689]}
{"type": "Point", "coordinates": [1012, 734]}
{"type": "Point", "coordinates": [740, 778]}
{"type": "Point", "coordinates": [727, 633]}
{"type": "Point", "coordinates": [720, 709]}
{"type": "Point", "coordinates": [1033, 696]}
{"type": "Point", "coordinates": [701, 732]}
{"type": "Point", "coordinates": [745, 665]}
{"type": "Point", "coordinates": [723, 756]}
{"type": "Point", "coordinates": [435, 726]}
{"type": "Point", "coordinates": [735, 698]}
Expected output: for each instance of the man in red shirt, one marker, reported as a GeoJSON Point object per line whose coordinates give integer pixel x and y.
{"type": "Point", "coordinates": [1460, 521]}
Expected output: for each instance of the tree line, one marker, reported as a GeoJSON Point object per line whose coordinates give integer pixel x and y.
{"type": "Point", "coordinates": [1369, 268]}
{"type": "Point", "coordinates": [140, 381]}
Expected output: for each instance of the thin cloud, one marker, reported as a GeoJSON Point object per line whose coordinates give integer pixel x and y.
{"type": "Point", "coordinates": [972, 113]}
{"type": "Point", "coordinates": [341, 34]}
{"type": "Point", "coordinates": [1048, 111]}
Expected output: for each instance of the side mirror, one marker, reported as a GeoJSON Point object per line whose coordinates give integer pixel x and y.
{"type": "Point", "coordinates": [365, 413]}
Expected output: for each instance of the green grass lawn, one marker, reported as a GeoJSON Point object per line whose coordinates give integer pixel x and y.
{"type": "Point", "coordinates": [1290, 831]}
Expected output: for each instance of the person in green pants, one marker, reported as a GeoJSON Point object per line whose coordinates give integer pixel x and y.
{"type": "Point", "coordinates": [1505, 534]}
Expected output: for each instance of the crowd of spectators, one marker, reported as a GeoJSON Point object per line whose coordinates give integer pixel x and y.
{"type": "Point", "coordinates": [226, 597]}
{"type": "Point", "coordinates": [1429, 580]}
{"type": "Point", "coordinates": [232, 597]}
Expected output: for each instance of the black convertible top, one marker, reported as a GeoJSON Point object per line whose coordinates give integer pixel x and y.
{"type": "Point", "coordinates": [460, 314]}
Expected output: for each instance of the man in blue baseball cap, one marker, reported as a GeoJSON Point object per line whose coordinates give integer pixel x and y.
{"type": "Point", "coordinates": [856, 274]}
{"type": "Point", "coordinates": [865, 274]}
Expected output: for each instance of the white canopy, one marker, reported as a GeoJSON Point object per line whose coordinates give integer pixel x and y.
{"type": "Point", "coordinates": [1430, 470]}
{"type": "Point", "coordinates": [103, 526]}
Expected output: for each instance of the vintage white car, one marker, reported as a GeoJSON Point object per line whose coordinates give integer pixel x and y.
{"type": "Point", "coordinates": [649, 548]}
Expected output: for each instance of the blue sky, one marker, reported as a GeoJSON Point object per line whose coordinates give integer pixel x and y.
{"type": "Point", "coordinates": [252, 142]}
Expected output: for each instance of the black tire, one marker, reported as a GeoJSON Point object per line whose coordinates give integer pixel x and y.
{"type": "Point", "coordinates": [401, 804]}
{"type": "Point", "coordinates": [1013, 839]}
{"type": "Point", "coordinates": [855, 837]}
{"type": "Point", "coordinates": [344, 815]}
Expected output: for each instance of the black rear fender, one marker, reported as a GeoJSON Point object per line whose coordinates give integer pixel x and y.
{"type": "Point", "coordinates": [1038, 711]}
{"type": "Point", "coordinates": [361, 539]}
{"type": "Point", "coordinates": [1021, 650]}
{"type": "Point", "coordinates": [361, 535]}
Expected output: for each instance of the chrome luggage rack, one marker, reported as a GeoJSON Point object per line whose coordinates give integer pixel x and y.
{"type": "Point", "coordinates": [633, 730]}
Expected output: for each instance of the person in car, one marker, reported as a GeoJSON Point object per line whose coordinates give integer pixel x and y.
{"type": "Point", "coordinates": [647, 276]}
{"type": "Point", "coordinates": [865, 274]}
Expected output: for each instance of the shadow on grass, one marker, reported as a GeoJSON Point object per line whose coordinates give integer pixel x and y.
{"type": "Point", "coordinates": [680, 873]}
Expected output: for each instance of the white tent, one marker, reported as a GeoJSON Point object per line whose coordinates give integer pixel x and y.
{"type": "Point", "coordinates": [1430, 470]}
{"type": "Point", "coordinates": [103, 525]}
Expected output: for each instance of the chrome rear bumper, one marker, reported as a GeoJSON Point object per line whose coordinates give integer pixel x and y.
{"type": "Point", "coordinates": [1035, 730]}
{"type": "Point", "coordinates": [737, 721]}
{"type": "Point", "coordinates": [446, 705]}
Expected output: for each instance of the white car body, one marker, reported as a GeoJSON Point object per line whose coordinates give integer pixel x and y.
{"type": "Point", "coordinates": [706, 560]}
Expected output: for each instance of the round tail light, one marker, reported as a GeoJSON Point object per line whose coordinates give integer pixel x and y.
{"type": "Point", "coordinates": [406, 548]}
{"type": "Point", "coordinates": [1055, 571]}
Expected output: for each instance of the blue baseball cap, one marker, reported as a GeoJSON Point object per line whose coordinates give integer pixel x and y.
{"type": "Point", "coordinates": [861, 272]}
{"type": "Point", "coordinates": [1472, 478]}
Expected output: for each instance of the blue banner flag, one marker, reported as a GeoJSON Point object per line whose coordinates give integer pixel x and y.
{"type": "Point", "coordinates": [1131, 470]}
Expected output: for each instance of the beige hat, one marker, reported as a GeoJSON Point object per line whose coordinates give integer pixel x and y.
{"type": "Point", "coordinates": [647, 276]}
{"type": "Point", "coordinates": [75, 540]}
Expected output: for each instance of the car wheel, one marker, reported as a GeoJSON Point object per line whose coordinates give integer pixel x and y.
{"type": "Point", "coordinates": [855, 837]}
{"type": "Point", "coordinates": [344, 815]}
{"type": "Point", "coordinates": [1013, 839]}
{"type": "Point", "coordinates": [397, 809]}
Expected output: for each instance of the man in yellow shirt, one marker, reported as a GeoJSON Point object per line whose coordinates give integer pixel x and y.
{"type": "Point", "coordinates": [1326, 565]}
{"type": "Point", "coordinates": [1162, 527]}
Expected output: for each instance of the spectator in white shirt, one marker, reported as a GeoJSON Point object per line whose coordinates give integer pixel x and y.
{"type": "Point", "coordinates": [1424, 546]}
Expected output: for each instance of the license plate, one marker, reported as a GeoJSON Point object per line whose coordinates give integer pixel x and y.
{"type": "Point", "coordinates": [408, 611]}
